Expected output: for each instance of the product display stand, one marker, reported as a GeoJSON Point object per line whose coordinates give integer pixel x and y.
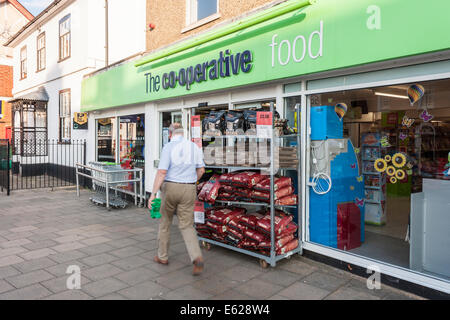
{"type": "Point", "coordinates": [375, 184]}
{"type": "Point", "coordinates": [273, 258]}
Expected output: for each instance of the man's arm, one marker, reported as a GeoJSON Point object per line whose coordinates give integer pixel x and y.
{"type": "Point", "coordinates": [200, 173]}
{"type": "Point", "coordinates": [159, 180]}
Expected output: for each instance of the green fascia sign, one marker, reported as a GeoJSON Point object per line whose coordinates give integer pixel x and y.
{"type": "Point", "coordinates": [328, 35]}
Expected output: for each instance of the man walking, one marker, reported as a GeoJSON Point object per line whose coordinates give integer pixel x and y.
{"type": "Point", "coordinates": [180, 167]}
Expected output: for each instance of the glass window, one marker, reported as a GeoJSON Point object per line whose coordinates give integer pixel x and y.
{"type": "Point", "coordinates": [106, 140]}
{"type": "Point", "coordinates": [387, 152]}
{"type": "Point", "coordinates": [132, 141]}
{"type": "Point", "coordinates": [41, 62]}
{"type": "Point", "coordinates": [64, 38]}
{"type": "Point", "coordinates": [23, 63]}
{"type": "Point", "coordinates": [64, 116]}
{"type": "Point", "coordinates": [200, 9]}
{"type": "Point", "coordinates": [167, 118]}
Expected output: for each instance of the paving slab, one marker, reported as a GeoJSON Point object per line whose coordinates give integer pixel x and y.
{"type": "Point", "coordinates": [302, 291]}
{"type": "Point", "coordinates": [115, 251]}
{"type": "Point", "coordinates": [144, 291]}
{"type": "Point", "coordinates": [103, 287]}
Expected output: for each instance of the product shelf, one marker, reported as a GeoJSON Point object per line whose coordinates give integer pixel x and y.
{"type": "Point", "coordinates": [268, 259]}
{"type": "Point", "coordinates": [271, 170]}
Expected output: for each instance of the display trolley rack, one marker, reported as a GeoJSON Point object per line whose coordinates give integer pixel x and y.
{"type": "Point", "coordinates": [273, 258]}
{"type": "Point", "coordinates": [107, 179]}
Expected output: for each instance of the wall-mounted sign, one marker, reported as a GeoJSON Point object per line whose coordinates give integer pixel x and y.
{"type": "Point", "coordinates": [80, 121]}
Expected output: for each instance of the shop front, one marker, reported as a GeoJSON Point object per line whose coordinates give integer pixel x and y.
{"type": "Point", "coordinates": [364, 118]}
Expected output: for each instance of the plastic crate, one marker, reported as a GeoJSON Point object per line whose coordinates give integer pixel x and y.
{"type": "Point", "coordinates": [325, 124]}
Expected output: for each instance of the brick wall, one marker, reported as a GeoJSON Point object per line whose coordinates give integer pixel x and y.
{"type": "Point", "coordinates": [169, 17]}
{"type": "Point", "coordinates": [6, 81]}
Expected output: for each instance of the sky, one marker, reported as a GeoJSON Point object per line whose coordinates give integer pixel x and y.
{"type": "Point", "coordinates": [35, 6]}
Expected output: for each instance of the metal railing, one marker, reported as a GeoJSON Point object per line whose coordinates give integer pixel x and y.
{"type": "Point", "coordinates": [50, 165]}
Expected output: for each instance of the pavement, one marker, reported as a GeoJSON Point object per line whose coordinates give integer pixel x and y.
{"type": "Point", "coordinates": [43, 233]}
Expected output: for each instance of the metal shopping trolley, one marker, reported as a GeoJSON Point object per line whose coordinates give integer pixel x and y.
{"type": "Point", "coordinates": [109, 173]}
{"type": "Point", "coordinates": [108, 182]}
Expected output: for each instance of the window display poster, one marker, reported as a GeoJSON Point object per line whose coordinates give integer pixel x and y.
{"type": "Point", "coordinates": [165, 136]}
{"type": "Point", "coordinates": [264, 124]}
{"type": "Point", "coordinates": [196, 130]}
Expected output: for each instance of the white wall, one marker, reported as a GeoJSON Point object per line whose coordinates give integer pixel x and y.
{"type": "Point", "coordinates": [127, 28]}
{"type": "Point", "coordinates": [126, 36]}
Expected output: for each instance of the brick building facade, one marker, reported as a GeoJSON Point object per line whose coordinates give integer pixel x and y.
{"type": "Point", "coordinates": [177, 25]}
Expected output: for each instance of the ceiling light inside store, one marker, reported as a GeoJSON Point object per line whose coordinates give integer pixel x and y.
{"type": "Point", "coordinates": [390, 95]}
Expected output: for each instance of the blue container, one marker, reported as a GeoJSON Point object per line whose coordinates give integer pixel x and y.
{"type": "Point", "coordinates": [325, 124]}
{"type": "Point", "coordinates": [346, 188]}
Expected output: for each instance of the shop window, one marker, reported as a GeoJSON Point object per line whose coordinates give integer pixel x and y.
{"type": "Point", "coordinates": [65, 119]}
{"type": "Point", "coordinates": [132, 141]}
{"type": "Point", "coordinates": [64, 38]}
{"type": "Point", "coordinates": [293, 87]}
{"type": "Point", "coordinates": [201, 9]}
{"type": "Point", "coordinates": [23, 63]}
{"type": "Point", "coordinates": [384, 149]}
{"type": "Point", "coordinates": [41, 51]}
{"type": "Point", "coordinates": [106, 139]}
{"type": "Point", "coordinates": [167, 118]}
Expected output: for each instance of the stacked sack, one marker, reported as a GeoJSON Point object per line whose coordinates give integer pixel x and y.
{"type": "Point", "coordinates": [233, 226]}
{"type": "Point", "coordinates": [247, 186]}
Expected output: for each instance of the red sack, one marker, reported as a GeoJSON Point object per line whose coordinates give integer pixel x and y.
{"type": "Point", "coordinates": [278, 184]}
{"type": "Point", "coordinates": [266, 245]}
{"type": "Point", "coordinates": [227, 189]}
{"type": "Point", "coordinates": [254, 235]}
{"type": "Point", "coordinates": [289, 247]}
{"type": "Point", "coordinates": [226, 178]}
{"type": "Point", "coordinates": [210, 190]}
{"type": "Point", "coordinates": [280, 243]}
{"type": "Point", "coordinates": [265, 196]}
{"type": "Point", "coordinates": [236, 225]}
{"type": "Point", "coordinates": [247, 179]}
{"type": "Point", "coordinates": [200, 186]}
{"type": "Point", "coordinates": [249, 245]}
{"type": "Point", "coordinates": [263, 224]}
{"type": "Point", "coordinates": [235, 234]}
{"type": "Point", "coordinates": [249, 221]}
{"type": "Point", "coordinates": [225, 196]}
{"type": "Point", "coordinates": [290, 200]}
{"type": "Point", "coordinates": [260, 196]}
{"type": "Point", "coordinates": [290, 229]}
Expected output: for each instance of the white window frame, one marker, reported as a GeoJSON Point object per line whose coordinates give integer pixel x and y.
{"type": "Point", "coordinates": [23, 62]}
{"type": "Point", "coordinates": [65, 116]}
{"type": "Point", "coordinates": [191, 16]}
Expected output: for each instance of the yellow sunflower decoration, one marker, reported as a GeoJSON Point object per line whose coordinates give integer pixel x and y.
{"type": "Point", "coordinates": [399, 160]}
{"type": "Point", "coordinates": [393, 180]}
{"type": "Point", "coordinates": [388, 158]}
{"type": "Point", "coordinates": [400, 175]}
{"type": "Point", "coordinates": [390, 171]}
{"type": "Point", "coordinates": [380, 165]}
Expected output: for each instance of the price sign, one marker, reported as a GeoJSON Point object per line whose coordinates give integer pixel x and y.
{"type": "Point", "coordinates": [264, 124]}
{"type": "Point", "coordinates": [199, 212]}
{"type": "Point", "coordinates": [196, 129]}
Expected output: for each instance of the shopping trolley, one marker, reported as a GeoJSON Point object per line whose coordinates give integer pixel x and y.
{"type": "Point", "coordinates": [108, 180]}
{"type": "Point", "coordinates": [109, 173]}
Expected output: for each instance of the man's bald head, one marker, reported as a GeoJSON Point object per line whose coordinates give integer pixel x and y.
{"type": "Point", "coordinates": [176, 129]}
